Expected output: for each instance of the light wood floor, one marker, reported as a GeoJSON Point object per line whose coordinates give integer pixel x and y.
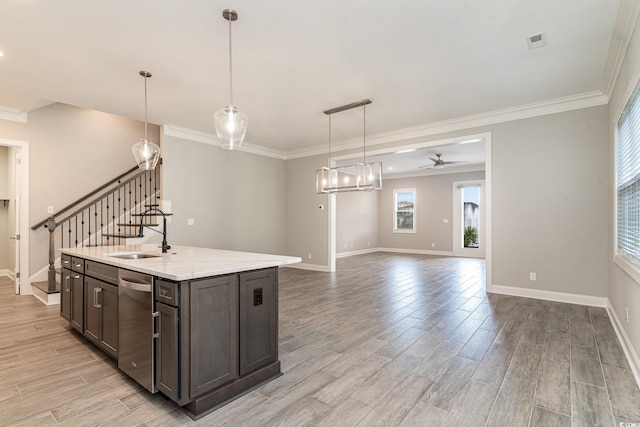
{"type": "Point", "coordinates": [389, 340]}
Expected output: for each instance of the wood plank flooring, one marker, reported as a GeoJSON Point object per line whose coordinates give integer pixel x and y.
{"type": "Point", "coordinates": [388, 340]}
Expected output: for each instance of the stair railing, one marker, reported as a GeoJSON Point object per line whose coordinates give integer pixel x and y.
{"type": "Point", "coordinates": [103, 216]}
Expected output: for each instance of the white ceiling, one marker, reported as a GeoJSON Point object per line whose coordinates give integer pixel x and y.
{"type": "Point", "coordinates": [419, 61]}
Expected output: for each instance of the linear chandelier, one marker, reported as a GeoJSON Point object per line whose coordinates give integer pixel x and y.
{"type": "Point", "coordinates": [360, 176]}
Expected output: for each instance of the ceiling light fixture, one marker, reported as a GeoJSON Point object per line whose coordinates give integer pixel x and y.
{"type": "Point", "coordinates": [144, 151]}
{"type": "Point", "coordinates": [230, 123]}
{"type": "Point", "coordinates": [361, 176]}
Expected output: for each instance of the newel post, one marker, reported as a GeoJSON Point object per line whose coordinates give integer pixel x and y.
{"type": "Point", "coordinates": [51, 225]}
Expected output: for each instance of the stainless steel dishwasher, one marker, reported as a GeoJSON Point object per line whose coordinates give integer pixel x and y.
{"type": "Point", "coordinates": [136, 327]}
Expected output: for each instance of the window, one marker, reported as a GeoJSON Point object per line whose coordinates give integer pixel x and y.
{"type": "Point", "coordinates": [628, 187]}
{"type": "Point", "coordinates": [404, 210]}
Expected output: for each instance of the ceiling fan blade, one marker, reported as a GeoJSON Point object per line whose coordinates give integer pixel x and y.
{"type": "Point", "coordinates": [425, 167]}
{"type": "Point", "coordinates": [434, 160]}
{"type": "Point", "coordinates": [455, 161]}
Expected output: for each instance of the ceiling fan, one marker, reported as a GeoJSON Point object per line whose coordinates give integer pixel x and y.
{"type": "Point", "coordinates": [439, 163]}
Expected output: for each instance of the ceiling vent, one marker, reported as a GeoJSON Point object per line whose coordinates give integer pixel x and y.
{"type": "Point", "coordinates": [537, 40]}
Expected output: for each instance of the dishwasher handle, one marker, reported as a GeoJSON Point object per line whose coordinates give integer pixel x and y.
{"type": "Point", "coordinates": [135, 285]}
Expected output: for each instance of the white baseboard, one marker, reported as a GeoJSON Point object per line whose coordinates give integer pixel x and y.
{"type": "Point", "coordinates": [304, 266]}
{"type": "Point", "coordinates": [8, 273]}
{"type": "Point", "coordinates": [549, 295]}
{"type": "Point", "coordinates": [358, 252]}
{"type": "Point", "coordinates": [625, 342]}
{"type": "Point", "coordinates": [416, 251]}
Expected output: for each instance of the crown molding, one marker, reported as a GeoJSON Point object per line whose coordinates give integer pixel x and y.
{"type": "Point", "coordinates": [12, 114]}
{"type": "Point", "coordinates": [622, 32]}
{"type": "Point", "coordinates": [208, 138]}
{"type": "Point", "coordinates": [553, 106]}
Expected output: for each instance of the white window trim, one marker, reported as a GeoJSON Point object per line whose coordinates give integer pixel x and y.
{"type": "Point", "coordinates": [628, 264]}
{"type": "Point", "coordinates": [415, 211]}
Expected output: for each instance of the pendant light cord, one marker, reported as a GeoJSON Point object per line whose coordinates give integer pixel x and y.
{"type": "Point", "coordinates": [329, 159]}
{"type": "Point", "coordinates": [364, 134]}
{"type": "Point", "coordinates": [230, 67]}
{"type": "Point", "coordinates": [145, 108]}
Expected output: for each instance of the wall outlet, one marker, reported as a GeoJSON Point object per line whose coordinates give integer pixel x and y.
{"type": "Point", "coordinates": [368, 243]}
{"type": "Point", "coordinates": [532, 276]}
{"type": "Point", "coordinates": [433, 245]}
{"type": "Point", "coordinates": [190, 221]}
{"type": "Point", "coordinates": [49, 209]}
{"type": "Point", "coordinates": [345, 246]}
{"type": "Point", "coordinates": [309, 256]}
{"type": "Point", "coordinates": [445, 221]}
{"type": "Point", "coordinates": [627, 313]}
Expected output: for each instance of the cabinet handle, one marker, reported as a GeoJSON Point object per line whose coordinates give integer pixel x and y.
{"type": "Point", "coordinates": [65, 261]}
{"type": "Point", "coordinates": [96, 304]}
{"type": "Point", "coordinates": [67, 286]}
{"type": "Point", "coordinates": [78, 265]}
{"type": "Point", "coordinates": [76, 276]}
{"type": "Point", "coordinates": [156, 324]}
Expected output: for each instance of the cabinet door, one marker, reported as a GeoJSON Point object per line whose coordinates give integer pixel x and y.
{"type": "Point", "coordinates": [77, 301]}
{"type": "Point", "coordinates": [167, 351]}
{"type": "Point", "coordinates": [258, 319]}
{"type": "Point", "coordinates": [65, 295]}
{"type": "Point", "coordinates": [213, 344]}
{"type": "Point", "coordinates": [109, 318]}
{"type": "Point", "coordinates": [92, 312]}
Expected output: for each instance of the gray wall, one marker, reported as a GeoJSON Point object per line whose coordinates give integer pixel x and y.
{"type": "Point", "coordinates": [623, 290]}
{"type": "Point", "coordinates": [356, 221]}
{"type": "Point", "coordinates": [236, 199]}
{"type": "Point", "coordinates": [306, 230]}
{"type": "Point", "coordinates": [434, 202]}
{"type": "Point", "coordinates": [72, 151]}
{"type": "Point", "coordinates": [551, 197]}
{"type": "Point", "coordinates": [550, 202]}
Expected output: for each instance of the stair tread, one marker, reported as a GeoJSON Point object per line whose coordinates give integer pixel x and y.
{"type": "Point", "coordinates": [121, 236]}
{"type": "Point", "coordinates": [153, 214]}
{"type": "Point", "coordinates": [137, 225]}
{"type": "Point", "coordinates": [44, 287]}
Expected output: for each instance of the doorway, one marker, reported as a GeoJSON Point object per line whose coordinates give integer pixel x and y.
{"type": "Point", "coordinates": [14, 200]}
{"type": "Point", "coordinates": [469, 236]}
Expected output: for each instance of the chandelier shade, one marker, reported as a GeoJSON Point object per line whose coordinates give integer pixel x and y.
{"type": "Point", "coordinates": [145, 152]}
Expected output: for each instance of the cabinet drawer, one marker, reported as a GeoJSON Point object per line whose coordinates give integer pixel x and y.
{"type": "Point", "coordinates": [106, 273]}
{"type": "Point", "coordinates": [77, 264]}
{"type": "Point", "coordinates": [65, 261]}
{"type": "Point", "coordinates": [167, 292]}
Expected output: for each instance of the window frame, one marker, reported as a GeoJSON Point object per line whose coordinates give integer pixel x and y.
{"type": "Point", "coordinates": [414, 229]}
{"type": "Point", "coordinates": [627, 262]}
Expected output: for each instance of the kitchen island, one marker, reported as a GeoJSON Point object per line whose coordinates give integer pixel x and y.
{"type": "Point", "coordinates": [198, 325]}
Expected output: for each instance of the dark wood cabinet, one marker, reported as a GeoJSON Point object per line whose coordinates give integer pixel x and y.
{"type": "Point", "coordinates": [258, 319]}
{"type": "Point", "coordinates": [65, 294]}
{"type": "Point", "coordinates": [213, 313]}
{"type": "Point", "coordinates": [101, 314]}
{"type": "Point", "coordinates": [77, 301]}
{"type": "Point", "coordinates": [167, 355]}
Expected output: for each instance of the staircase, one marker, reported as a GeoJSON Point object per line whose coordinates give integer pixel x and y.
{"type": "Point", "coordinates": [109, 215]}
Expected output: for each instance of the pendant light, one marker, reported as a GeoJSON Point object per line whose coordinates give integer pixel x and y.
{"type": "Point", "coordinates": [230, 122]}
{"type": "Point", "coordinates": [361, 176]}
{"type": "Point", "coordinates": [144, 151]}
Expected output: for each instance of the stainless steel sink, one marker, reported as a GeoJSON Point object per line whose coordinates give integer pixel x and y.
{"type": "Point", "coordinates": [133, 256]}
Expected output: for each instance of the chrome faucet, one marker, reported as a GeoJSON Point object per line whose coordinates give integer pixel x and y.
{"type": "Point", "coordinates": [165, 246]}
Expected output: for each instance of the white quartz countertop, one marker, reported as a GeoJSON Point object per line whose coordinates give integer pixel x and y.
{"type": "Point", "coordinates": [181, 262]}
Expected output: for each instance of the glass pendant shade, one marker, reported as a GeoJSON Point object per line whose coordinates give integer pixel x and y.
{"type": "Point", "coordinates": [146, 154]}
{"type": "Point", "coordinates": [231, 125]}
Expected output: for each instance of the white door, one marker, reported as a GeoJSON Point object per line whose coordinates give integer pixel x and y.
{"type": "Point", "coordinates": [469, 231]}
{"type": "Point", "coordinates": [16, 204]}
